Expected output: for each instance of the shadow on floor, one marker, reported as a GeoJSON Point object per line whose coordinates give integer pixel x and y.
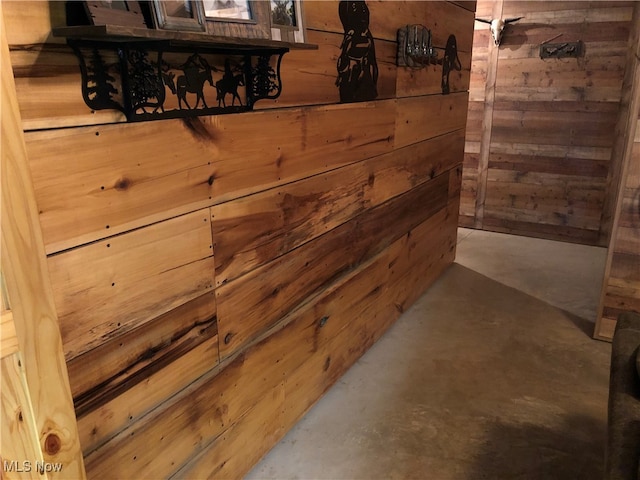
{"type": "Point", "coordinates": [572, 450]}
{"type": "Point", "coordinates": [586, 326]}
{"type": "Point", "coordinates": [477, 380]}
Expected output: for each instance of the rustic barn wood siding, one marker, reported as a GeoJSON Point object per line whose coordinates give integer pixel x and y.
{"type": "Point", "coordinates": [214, 276]}
{"type": "Point", "coordinates": [540, 133]}
{"type": "Point", "coordinates": [621, 286]}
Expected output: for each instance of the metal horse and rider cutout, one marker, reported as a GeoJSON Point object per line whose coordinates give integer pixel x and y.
{"type": "Point", "coordinates": [229, 84]}
{"type": "Point", "coordinates": [149, 82]}
{"type": "Point", "coordinates": [196, 71]}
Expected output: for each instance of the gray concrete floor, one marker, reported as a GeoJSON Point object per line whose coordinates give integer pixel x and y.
{"type": "Point", "coordinates": [491, 374]}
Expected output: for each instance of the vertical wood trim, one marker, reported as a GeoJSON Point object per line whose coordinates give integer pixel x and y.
{"type": "Point", "coordinates": [29, 289]}
{"type": "Point", "coordinates": [487, 121]}
{"type": "Point", "coordinates": [624, 145]}
{"type": "Point", "coordinates": [8, 338]}
{"type": "Point", "coordinates": [19, 437]}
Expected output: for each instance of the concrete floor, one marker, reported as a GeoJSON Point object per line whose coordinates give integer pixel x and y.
{"type": "Point", "coordinates": [491, 374]}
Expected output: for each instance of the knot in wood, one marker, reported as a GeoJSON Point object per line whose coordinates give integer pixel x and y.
{"type": "Point", "coordinates": [52, 444]}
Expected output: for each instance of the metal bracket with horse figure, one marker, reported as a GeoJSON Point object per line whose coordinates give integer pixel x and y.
{"type": "Point", "coordinates": [144, 80]}
{"type": "Point", "coordinates": [229, 83]}
{"type": "Point", "coordinates": [197, 71]}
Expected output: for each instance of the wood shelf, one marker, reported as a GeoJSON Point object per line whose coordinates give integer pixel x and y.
{"type": "Point", "coordinates": [136, 82]}
{"type": "Point", "coordinates": [125, 34]}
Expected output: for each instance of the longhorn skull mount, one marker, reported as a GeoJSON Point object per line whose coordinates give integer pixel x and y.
{"type": "Point", "coordinates": [497, 26]}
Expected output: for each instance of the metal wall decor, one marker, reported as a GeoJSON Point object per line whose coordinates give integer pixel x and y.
{"type": "Point", "coordinates": [449, 62]}
{"type": "Point", "coordinates": [414, 47]}
{"type": "Point", "coordinates": [357, 66]}
{"type": "Point", "coordinates": [155, 80]}
{"type": "Point", "coordinates": [562, 50]}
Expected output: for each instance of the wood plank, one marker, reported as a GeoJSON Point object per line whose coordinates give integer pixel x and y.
{"type": "Point", "coordinates": [467, 5]}
{"type": "Point", "coordinates": [560, 94]}
{"type": "Point", "coordinates": [624, 177]}
{"type": "Point", "coordinates": [624, 265]}
{"type": "Point", "coordinates": [41, 17]}
{"type": "Point", "coordinates": [421, 118]}
{"type": "Point", "coordinates": [542, 106]}
{"type": "Point", "coordinates": [243, 444]}
{"type": "Point", "coordinates": [132, 357]}
{"type": "Point", "coordinates": [109, 287]}
{"type": "Point", "coordinates": [602, 13]}
{"type": "Point", "coordinates": [560, 151]}
{"type": "Point", "coordinates": [308, 77]}
{"type": "Point", "coordinates": [428, 80]}
{"type": "Point", "coordinates": [606, 329]}
{"type": "Point", "coordinates": [223, 398]}
{"type": "Point", "coordinates": [554, 128]}
{"type": "Point", "coordinates": [19, 434]}
{"type": "Point", "coordinates": [591, 72]}
{"type": "Point", "coordinates": [549, 164]}
{"type": "Point", "coordinates": [624, 129]}
{"type": "Point", "coordinates": [512, 6]}
{"type": "Point", "coordinates": [486, 135]}
{"type": "Point", "coordinates": [196, 416]}
{"type": "Point", "coordinates": [24, 269]}
{"type": "Point", "coordinates": [624, 293]}
{"type": "Point", "coordinates": [126, 176]}
{"type": "Point", "coordinates": [561, 233]}
{"type": "Point", "coordinates": [529, 32]}
{"type": "Point", "coordinates": [576, 186]}
{"type": "Point", "coordinates": [356, 316]}
{"type": "Point", "coordinates": [601, 49]}
{"type": "Point", "coordinates": [49, 88]}
{"type": "Point", "coordinates": [387, 17]}
{"type": "Point", "coordinates": [475, 115]}
{"type": "Point", "coordinates": [252, 230]}
{"type": "Point", "coordinates": [555, 215]}
{"type": "Point", "coordinates": [364, 324]}
{"type": "Point", "coordinates": [8, 338]}
{"type": "Point", "coordinates": [49, 83]}
{"type": "Point", "coordinates": [245, 310]}
{"type": "Point", "coordinates": [104, 422]}
{"type": "Point", "coordinates": [50, 94]}
{"type": "Point", "coordinates": [205, 335]}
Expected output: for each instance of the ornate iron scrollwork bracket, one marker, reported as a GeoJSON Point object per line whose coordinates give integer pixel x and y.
{"type": "Point", "coordinates": [156, 80]}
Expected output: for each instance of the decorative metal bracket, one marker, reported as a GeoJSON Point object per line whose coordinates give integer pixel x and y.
{"type": "Point", "coordinates": [157, 79]}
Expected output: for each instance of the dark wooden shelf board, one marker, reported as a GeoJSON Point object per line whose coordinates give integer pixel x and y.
{"type": "Point", "coordinates": [123, 34]}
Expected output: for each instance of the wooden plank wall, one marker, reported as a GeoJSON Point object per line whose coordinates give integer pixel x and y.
{"type": "Point", "coordinates": [38, 430]}
{"type": "Point", "coordinates": [214, 276]}
{"type": "Point", "coordinates": [538, 153]}
{"type": "Point", "coordinates": [621, 286]}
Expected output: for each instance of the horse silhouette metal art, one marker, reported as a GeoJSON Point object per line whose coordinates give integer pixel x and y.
{"type": "Point", "coordinates": [229, 83]}
{"type": "Point", "coordinates": [197, 71]}
{"type": "Point", "coordinates": [153, 80]}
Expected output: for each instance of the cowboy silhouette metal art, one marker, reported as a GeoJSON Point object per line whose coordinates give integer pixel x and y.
{"type": "Point", "coordinates": [357, 66]}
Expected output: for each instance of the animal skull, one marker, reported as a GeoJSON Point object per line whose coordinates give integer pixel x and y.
{"type": "Point", "coordinates": [497, 27]}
